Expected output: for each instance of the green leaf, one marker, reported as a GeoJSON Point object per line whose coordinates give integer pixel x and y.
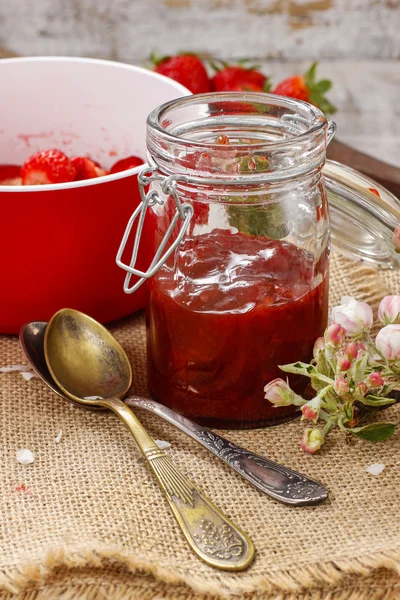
{"type": "Point", "coordinates": [267, 86]}
{"type": "Point", "coordinates": [309, 76]}
{"type": "Point", "coordinates": [323, 365]}
{"type": "Point", "coordinates": [260, 164]}
{"type": "Point", "coordinates": [317, 90]}
{"type": "Point", "coordinates": [359, 367]}
{"type": "Point", "coordinates": [266, 220]}
{"type": "Point", "coordinates": [348, 411]}
{"type": "Point", "coordinates": [217, 64]}
{"type": "Point", "coordinates": [317, 385]}
{"type": "Point", "coordinates": [327, 107]}
{"type": "Point", "coordinates": [214, 66]}
{"type": "Point", "coordinates": [247, 64]}
{"type": "Point", "coordinates": [324, 86]}
{"type": "Point", "coordinates": [156, 60]}
{"type": "Point", "coordinates": [375, 432]}
{"type": "Point", "coordinates": [388, 387]}
{"type": "Point", "coordinates": [376, 401]}
{"type": "Point", "coordinates": [300, 368]}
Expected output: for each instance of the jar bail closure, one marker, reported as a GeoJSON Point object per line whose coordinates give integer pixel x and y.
{"type": "Point", "coordinates": [184, 212]}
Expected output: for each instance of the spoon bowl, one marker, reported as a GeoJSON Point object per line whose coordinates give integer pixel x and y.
{"type": "Point", "coordinates": [85, 359]}
{"type": "Point", "coordinates": [31, 338]}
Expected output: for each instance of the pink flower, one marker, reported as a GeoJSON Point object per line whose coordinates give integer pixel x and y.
{"type": "Point", "coordinates": [353, 316]}
{"type": "Point", "coordinates": [341, 385]}
{"type": "Point", "coordinates": [319, 346]}
{"type": "Point", "coordinates": [343, 364]}
{"type": "Point", "coordinates": [396, 238]}
{"type": "Point", "coordinates": [278, 393]}
{"type": "Point", "coordinates": [388, 342]}
{"type": "Point", "coordinates": [312, 440]}
{"type": "Point", "coordinates": [335, 334]}
{"type": "Point", "coordinates": [311, 409]}
{"type": "Point", "coordinates": [389, 310]}
{"type": "Point", "coordinates": [376, 380]}
{"type": "Point", "coordinates": [351, 350]}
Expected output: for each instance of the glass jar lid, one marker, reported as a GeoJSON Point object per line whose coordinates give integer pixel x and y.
{"type": "Point", "coordinates": [362, 222]}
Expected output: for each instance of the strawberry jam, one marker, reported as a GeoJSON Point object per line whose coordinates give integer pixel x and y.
{"type": "Point", "coordinates": [233, 308]}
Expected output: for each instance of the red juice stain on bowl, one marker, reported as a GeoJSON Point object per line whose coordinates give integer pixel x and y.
{"type": "Point", "coordinates": [233, 309]}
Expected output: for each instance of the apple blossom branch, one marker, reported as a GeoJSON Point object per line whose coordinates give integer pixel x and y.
{"type": "Point", "coordinates": [349, 371]}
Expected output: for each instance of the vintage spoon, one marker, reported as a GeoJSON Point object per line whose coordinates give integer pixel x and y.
{"type": "Point", "coordinates": [86, 361]}
{"type": "Point", "coordinates": [279, 482]}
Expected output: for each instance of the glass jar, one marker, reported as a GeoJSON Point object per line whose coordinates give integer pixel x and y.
{"type": "Point", "coordinates": [236, 206]}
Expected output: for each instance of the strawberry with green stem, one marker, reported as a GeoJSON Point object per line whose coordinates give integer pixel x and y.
{"type": "Point", "coordinates": [238, 78]}
{"type": "Point", "coordinates": [187, 69]}
{"type": "Point", "coordinates": [305, 87]}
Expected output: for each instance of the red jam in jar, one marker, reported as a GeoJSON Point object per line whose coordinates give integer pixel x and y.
{"type": "Point", "coordinates": [232, 309]}
{"type": "Point", "coordinates": [235, 208]}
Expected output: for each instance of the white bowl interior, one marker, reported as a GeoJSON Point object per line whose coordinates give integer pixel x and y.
{"type": "Point", "coordinates": [81, 106]}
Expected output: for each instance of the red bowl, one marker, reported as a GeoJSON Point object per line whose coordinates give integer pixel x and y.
{"type": "Point", "coordinates": [58, 243]}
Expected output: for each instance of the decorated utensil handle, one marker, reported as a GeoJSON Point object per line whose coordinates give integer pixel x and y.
{"type": "Point", "coordinates": [211, 535]}
{"type": "Point", "coordinates": [273, 479]}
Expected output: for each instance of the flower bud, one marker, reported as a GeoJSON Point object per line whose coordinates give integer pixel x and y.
{"type": "Point", "coordinates": [389, 310]}
{"type": "Point", "coordinates": [319, 346]}
{"type": "Point", "coordinates": [376, 380]}
{"type": "Point", "coordinates": [388, 342]}
{"type": "Point", "coordinates": [341, 385]}
{"type": "Point", "coordinates": [343, 364]}
{"type": "Point", "coordinates": [353, 316]}
{"type": "Point", "coordinates": [335, 334]}
{"type": "Point", "coordinates": [312, 440]}
{"type": "Point", "coordinates": [351, 350]}
{"type": "Point", "coordinates": [278, 392]}
{"type": "Point", "coordinates": [311, 409]}
{"type": "Point", "coordinates": [396, 239]}
{"type": "Point", "coordinates": [361, 389]}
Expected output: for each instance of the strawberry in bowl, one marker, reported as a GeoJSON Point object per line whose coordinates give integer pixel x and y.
{"type": "Point", "coordinates": [63, 210]}
{"type": "Point", "coordinates": [53, 166]}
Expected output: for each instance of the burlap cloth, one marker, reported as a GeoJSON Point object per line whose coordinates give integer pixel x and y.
{"type": "Point", "coordinates": [87, 520]}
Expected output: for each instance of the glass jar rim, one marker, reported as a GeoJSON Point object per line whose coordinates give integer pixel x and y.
{"type": "Point", "coordinates": [317, 119]}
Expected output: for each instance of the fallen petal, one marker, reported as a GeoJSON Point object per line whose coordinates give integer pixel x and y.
{"type": "Point", "coordinates": [27, 376]}
{"type": "Point", "coordinates": [162, 444]}
{"type": "Point", "coordinates": [25, 456]}
{"type": "Point", "coordinates": [12, 368]}
{"type": "Point", "coordinates": [375, 469]}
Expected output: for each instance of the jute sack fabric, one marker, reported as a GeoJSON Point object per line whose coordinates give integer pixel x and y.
{"type": "Point", "coordinates": [87, 520]}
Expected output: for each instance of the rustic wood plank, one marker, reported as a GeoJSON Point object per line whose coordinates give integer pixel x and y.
{"type": "Point", "coordinates": [131, 29]}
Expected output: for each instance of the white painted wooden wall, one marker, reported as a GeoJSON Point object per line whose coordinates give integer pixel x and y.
{"type": "Point", "coordinates": [129, 30]}
{"type": "Point", "coordinates": [356, 41]}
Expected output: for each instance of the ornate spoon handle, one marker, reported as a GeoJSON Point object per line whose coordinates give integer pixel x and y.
{"type": "Point", "coordinates": [211, 535]}
{"type": "Point", "coordinates": [273, 479]}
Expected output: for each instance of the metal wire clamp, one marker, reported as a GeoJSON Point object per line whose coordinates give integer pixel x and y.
{"type": "Point", "coordinates": [183, 211]}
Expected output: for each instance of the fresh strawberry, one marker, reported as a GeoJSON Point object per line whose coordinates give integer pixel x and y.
{"type": "Point", "coordinates": [10, 175]}
{"type": "Point", "coordinates": [187, 69]}
{"type": "Point", "coordinates": [84, 167]}
{"type": "Point", "coordinates": [295, 87]}
{"type": "Point", "coordinates": [126, 163]}
{"type": "Point", "coordinates": [47, 166]}
{"type": "Point", "coordinates": [239, 78]}
{"type": "Point", "coordinates": [304, 87]}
